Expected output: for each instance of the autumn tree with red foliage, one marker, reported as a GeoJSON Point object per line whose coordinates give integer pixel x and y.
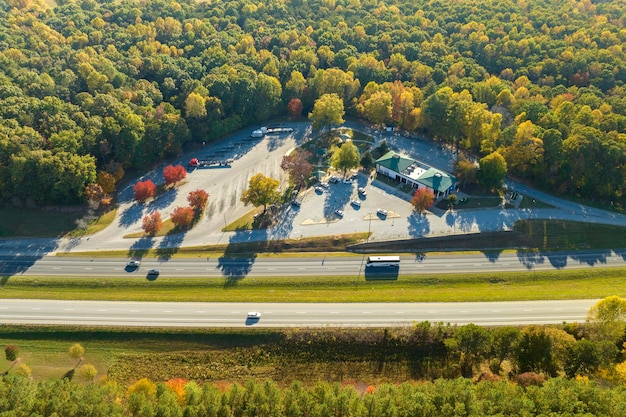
{"type": "Point", "coordinates": [182, 216]}
{"type": "Point", "coordinates": [295, 107]}
{"type": "Point", "coordinates": [423, 199]}
{"type": "Point", "coordinates": [297, 166]}
{"type": "Point", "coordinates": [174, 174]}
{"type": "Point", "coordinates": [144, 190]}
{"type": "Point", "coordinates": [152, 223]}
{"type": "Point", "coordinates": [197, 199]}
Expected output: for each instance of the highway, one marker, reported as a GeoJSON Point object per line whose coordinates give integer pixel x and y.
{"type": "Point", "coordinates": [167, 314]}
{"type": "Point", "coordinates": [318, 265]}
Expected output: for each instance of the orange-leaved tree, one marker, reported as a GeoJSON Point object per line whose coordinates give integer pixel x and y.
{"type": "Point", "coordinates": [197, 199]}
{"type": "Point", "coordinates": [177, 386]}
{"type": "Point", "coordinates": [152, 223]}
{"type": "Point", "coordinates": [174, 173]}
{"type": "Point", "coordinates": [94, 194]}
{"type": "Point", "coordinates": [182, 216]}
{"type": "Point", "coordinates": [423, 199]}
{"type": "Point", "coordinates": [144, 190]}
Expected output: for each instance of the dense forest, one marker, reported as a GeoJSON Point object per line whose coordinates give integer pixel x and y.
{"type": "Point", "coordinates": [178, 397]}
{"type": "Point", "coordinates": [90, 89]}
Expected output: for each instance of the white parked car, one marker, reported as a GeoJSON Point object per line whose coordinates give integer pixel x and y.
{"type": "Point", "coordinates": [339, 213]}
{"type": "Point", "coordinates": [382, 212]}
{"type": "Point", "coordinates": [362, 191]}
{"type": "Point", "coordinates": [347, 181]}
{"type": "Point", "coordinates": [334, 179]}
{"type": "Point", "coordinates": [356, 203]}
{"type": "Point", "coordinates": [324, 185]}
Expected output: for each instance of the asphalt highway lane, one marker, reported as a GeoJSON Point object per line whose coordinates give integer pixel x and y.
{"type": "Point", "coordinates": [300, 266]}
{"type": "Point", "coordinates": [161, 314]}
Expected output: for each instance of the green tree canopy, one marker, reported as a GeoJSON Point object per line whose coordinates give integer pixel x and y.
{"type": "Point", "coordinates": [261, 191]}
{"type": "Point", "coordinates": [607, 318]}
{"type": "Point", "coordinates": [346, 157]}
{"type": "Point", "coordinates": [491, 171]}
{"type": "Point", "coordinates": [328, 110]}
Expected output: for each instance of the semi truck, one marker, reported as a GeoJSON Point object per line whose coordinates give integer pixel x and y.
{"type": "Point", "coordinates": [206, 163]}
{"type": "Point", "coordinates": [259, 133]}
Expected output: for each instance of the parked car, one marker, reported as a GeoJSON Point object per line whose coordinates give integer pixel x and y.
{"type": "Point", "coordinates": [319, 190]}
{"type": "Point", "coordinates": [356, 203]}
{"type": "Point", "coordinates": [362, 191]}
{"type": "Point", "coordinates": [334, 179]}
{"type": "Point", "coordinates": [296, 203]}
{"type": "Point", "coordinates": [382, 212]}
{"type": "Point", "coordinates": [339, 213]}
{"type": "Point", "coordinates": [347, 180]}
{"type": "Point", "coordinates": [324, 185]}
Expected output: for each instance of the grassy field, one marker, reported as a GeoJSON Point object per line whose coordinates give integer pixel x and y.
{"type": "Point", "coordinates": [501, 286]}
{"type": "Point", "coordinates": [220, 355]}
{"type": "Point", "coordinates": [27, 222]}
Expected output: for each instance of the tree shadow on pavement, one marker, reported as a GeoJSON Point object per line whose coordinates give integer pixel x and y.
{"type": "Point", "coordinates": [170, 244]}
{"type": "Point", "coordinates": [591, 259]}
{"type": "Point", "coordinates": [530, 258]}
{"type": "Point", "coordinates": [284, 223]}
{"type": "Point", "coordinates": [236, 264]}
{"type": "Point", "coordinates": [337, 197]}
{"type": "Point", "coordinates": [17, 259]}
{"type": "Point", "coordinates": [419, 226]}
{"type": "Point", "coordinates": [492, 255]}
{"type": "Point", "coordinates": [163, 200]}
{"type": "Point", "coordinates": [132, 214]}
{"type": "Point", "coordinates": [139, 249]}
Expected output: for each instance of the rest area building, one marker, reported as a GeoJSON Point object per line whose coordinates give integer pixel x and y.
{"type": "Point", "coordinates": [415, 174]}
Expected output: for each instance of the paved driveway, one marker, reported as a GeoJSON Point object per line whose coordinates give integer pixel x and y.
{"type": "Point", "coordinates": [316, 216]}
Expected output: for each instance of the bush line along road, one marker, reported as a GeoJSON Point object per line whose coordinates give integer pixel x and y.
{"type": "Point", "coordinates": [224, 186]}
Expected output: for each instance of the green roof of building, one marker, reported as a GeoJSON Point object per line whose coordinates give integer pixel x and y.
{"type": "Point", "coordinates": [437, 180]}
{"type": "Point", "coordinates": [395, 162]}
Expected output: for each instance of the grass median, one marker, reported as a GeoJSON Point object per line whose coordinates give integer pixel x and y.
{"type": "Point", "coordinates": [501, 286]}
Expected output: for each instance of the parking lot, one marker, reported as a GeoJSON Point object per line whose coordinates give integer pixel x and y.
{"type": "Point", "coordinates": [339, 206]}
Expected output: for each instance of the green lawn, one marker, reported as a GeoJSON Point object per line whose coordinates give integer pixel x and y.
{"type": "Point", "coordinates": [502, 286]}
{"type": "Point", "coordinates": [31, 222]}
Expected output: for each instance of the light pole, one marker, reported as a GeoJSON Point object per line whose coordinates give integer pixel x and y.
{"type": "Point", "coordinates": [369, 228]}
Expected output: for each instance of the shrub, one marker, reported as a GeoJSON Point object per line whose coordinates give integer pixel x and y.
{"type": "Point", "coordinates": [182, 216]}
{"type": "Point", "coordinates": [173, 174]}
{"type": "Point", "coordinates": [152, 223]}
{"type": "Point", "coordinates": [144, 190]}
{"type": "Point", "coordinates": [11, 352]}
{"type": "Point", "coordinates": [527, 379]}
